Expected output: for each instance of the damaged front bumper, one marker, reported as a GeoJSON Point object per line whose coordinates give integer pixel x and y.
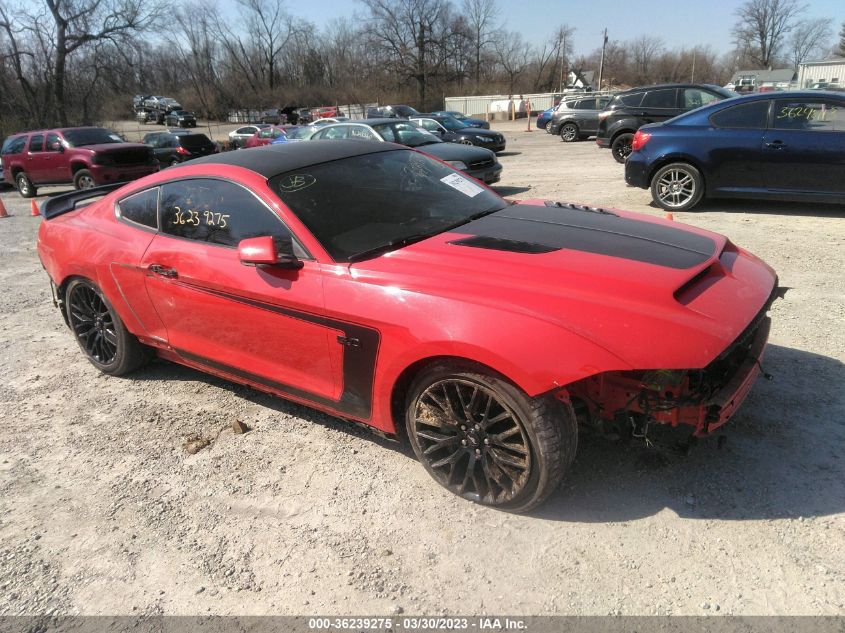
{"type": "Point", "coordinates": [704, 399]}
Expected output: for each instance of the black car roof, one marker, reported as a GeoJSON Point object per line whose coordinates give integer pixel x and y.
{"type": "Point", "coordinates": [271, 160]}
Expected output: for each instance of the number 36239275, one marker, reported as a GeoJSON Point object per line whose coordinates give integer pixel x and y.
{"type": "Point", "coordinates": [195, 218]}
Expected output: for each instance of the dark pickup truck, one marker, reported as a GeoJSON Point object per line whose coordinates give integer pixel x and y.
{"type": "Point", "coordinates": [84, 156]}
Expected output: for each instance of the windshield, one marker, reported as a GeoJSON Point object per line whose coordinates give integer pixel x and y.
{"type": "Point", "coordinates": [405, 134]}
{"type": "Point", "coordinates": [90, 136]}
{"type": "Point", "coordinates": [363, 206]}
{"type": "Point", "coordinates": [403, 110]}
{"type": "Point", "coordinates": [180, 112]}
{"type": "Point", "coordinates": [460, 116]}
{"type": "Point", "coordinates": [451, 123]}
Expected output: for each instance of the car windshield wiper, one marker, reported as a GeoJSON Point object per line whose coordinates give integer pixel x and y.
{"type": "Point", "coordinates": [389, 246]}
{"type": "Point", "coordinates": [470, 218]}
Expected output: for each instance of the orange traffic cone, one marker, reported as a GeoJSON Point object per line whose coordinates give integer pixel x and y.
{"type": "Point", "coordinates": [33, 209]}
{"type": "Point", "coordinates": [3, 212]}
{"type": "Point", "coordinates": [669, 216]}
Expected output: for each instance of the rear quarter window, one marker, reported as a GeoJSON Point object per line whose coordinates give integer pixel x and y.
{"type": "Point", "coordinates": [140, 208]}
{"type": "Point", "coordinates": [744, 116]}
{"type": "Point", "coordinates": [631, 100]}
{"type": "Point", "coordinates": [14, 145]}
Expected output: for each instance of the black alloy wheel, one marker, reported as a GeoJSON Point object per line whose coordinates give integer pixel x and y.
{"type": "Point", "coordinates": [484, 440]}
{"type": "Point", "coordinates": [621, 147]}
{"type": "Point", "coordinates": [101, 334]}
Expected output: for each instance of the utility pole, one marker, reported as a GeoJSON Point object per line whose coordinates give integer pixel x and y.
{"type": "Point", "coordinates": [692, 79]}
{"type": "Point", "coordinates": [601, 63]}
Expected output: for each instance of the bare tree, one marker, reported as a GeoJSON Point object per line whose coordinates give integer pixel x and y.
{"type": "Point", "coordinates": [842, 40]}
{"type": "Point", "coordinates": [512, 54]}
{"type": "Point", "coordinates": [809, 38]}
{"type": "Point", "coordinates": [271, 28]}
{"type": "Point", "coordinates": [78, 23]}
{"type": "Point", "coordinates": [762, 27]}
{"type": "Point", "coordinates": [480, 16]}
{"type": "Point", "coordinates": [644, 52]}
{"type": "Point", "coordinates": [409, 33]}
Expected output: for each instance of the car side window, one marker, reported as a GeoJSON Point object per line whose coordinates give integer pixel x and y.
{"type": "Point", "coordinates": [752, 115]}
{"type": "Point", "coordinates": [141, 208]}
{"type": "Point", "coordinates": [695, 98]}
{"type": "Point", "coordinates": [36, 143]}
{"type": "Point", "coordinates": [334, 132]}
{"type": "Point", "coordinates": [15, 145]}
{"type": "Point", "coordinates": [587, 104]}
{"type": "Point", "coordinates": [665, 98]}
{"type": "Point", "coordinates": [430, 125]}
{"type": "Point", "coordinates": [53, 142]}
{"type": "Point", "coordinates": [632, 100]}
{"type": "Point", "coordinates": [216, 212]}
{"type": "Point", "coordinates": [359, 131]}
{"type": "Point", "coordinates": [806, 114]}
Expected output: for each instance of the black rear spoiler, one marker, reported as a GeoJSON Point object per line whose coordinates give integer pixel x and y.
{"type": "Point", "coordinates": [66, 202]}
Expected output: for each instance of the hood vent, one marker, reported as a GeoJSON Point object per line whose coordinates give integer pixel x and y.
{"type": "Point", "coordinates": [500, 244]}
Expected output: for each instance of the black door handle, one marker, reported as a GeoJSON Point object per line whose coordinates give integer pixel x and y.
{"type": "Point", "coordinates": [776, 144]}
{"type": "Point", "coordinates": [164, 271]}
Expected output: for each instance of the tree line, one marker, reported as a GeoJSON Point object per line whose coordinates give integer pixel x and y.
{"type": "Point", "coordinates": [67, 62]}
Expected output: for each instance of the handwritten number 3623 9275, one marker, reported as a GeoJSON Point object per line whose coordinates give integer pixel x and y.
{"type": "Point", "coordinates": [192, 218]}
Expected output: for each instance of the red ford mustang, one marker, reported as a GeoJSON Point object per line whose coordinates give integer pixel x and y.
{"type": "Point", "coordinates": [381, 285]}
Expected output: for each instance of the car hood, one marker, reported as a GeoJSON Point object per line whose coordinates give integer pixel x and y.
{"type": "Point", "coordinates": [640, 287]}
{"type": "Point", "coordinates": [455, 151]}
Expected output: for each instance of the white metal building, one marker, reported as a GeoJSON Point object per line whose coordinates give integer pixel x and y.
{"type": "Point", "coordinates": [829, 71]}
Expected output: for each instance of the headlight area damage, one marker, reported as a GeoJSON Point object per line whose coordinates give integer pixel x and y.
{"type": "Point", "coordinates": [627, 403]}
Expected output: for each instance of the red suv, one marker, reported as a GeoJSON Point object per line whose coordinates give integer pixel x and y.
{"type": "Point", "coordinates": [84, 156]}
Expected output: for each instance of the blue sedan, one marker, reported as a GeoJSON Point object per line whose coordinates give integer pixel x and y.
{"type": "Point", "coordinates": [463, 118]}
{"type": "Point", "coordinates": [776, 145]}
{"type": "Point", "coordinates": [544, 117]}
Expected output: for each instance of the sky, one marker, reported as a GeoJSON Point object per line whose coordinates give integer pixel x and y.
{"type": "Point", "coordinates": [681, 23]}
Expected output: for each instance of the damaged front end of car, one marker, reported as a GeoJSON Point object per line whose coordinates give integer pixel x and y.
{"type": "Point", "coordinates": [630, 404]}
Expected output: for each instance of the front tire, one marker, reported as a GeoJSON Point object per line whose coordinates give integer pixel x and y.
{"type": "Point", "coordinates": [25, 186]}
{"type": "Point", "coordinates": [100, 333]}
{"type": "Point", "coordinates": [569, 133]}
{"type": "Point", "coordinates": [83, 180]}
{"type": "Point", "coordinates": [621, 147]}
{"type": "Point", "coordinates": [485, 440]}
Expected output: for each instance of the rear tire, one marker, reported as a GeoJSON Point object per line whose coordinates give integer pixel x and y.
{"type": "Point", "coordinates": [621, 147]}
{"type": "Point", "coordinates": [25, 186]}
{"type": "Point", "coordinates": [83, 180]}
{"type": "Point", "coordinates": [100, 333]}
{"type": "Point", "coordinates": [485, 440]}
{"type": "Point", "coordinates": [677, 187]}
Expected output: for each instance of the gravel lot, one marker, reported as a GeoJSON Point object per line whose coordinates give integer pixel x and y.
{"type": "Point", "coordinates": [102, 511]}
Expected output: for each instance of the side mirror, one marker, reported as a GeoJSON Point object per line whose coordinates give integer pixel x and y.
{"type": "Point", "coordinates": [261, 251]}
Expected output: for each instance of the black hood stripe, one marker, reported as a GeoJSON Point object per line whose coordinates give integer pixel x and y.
{"type": "Point", "coordinates": [591, 232]}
